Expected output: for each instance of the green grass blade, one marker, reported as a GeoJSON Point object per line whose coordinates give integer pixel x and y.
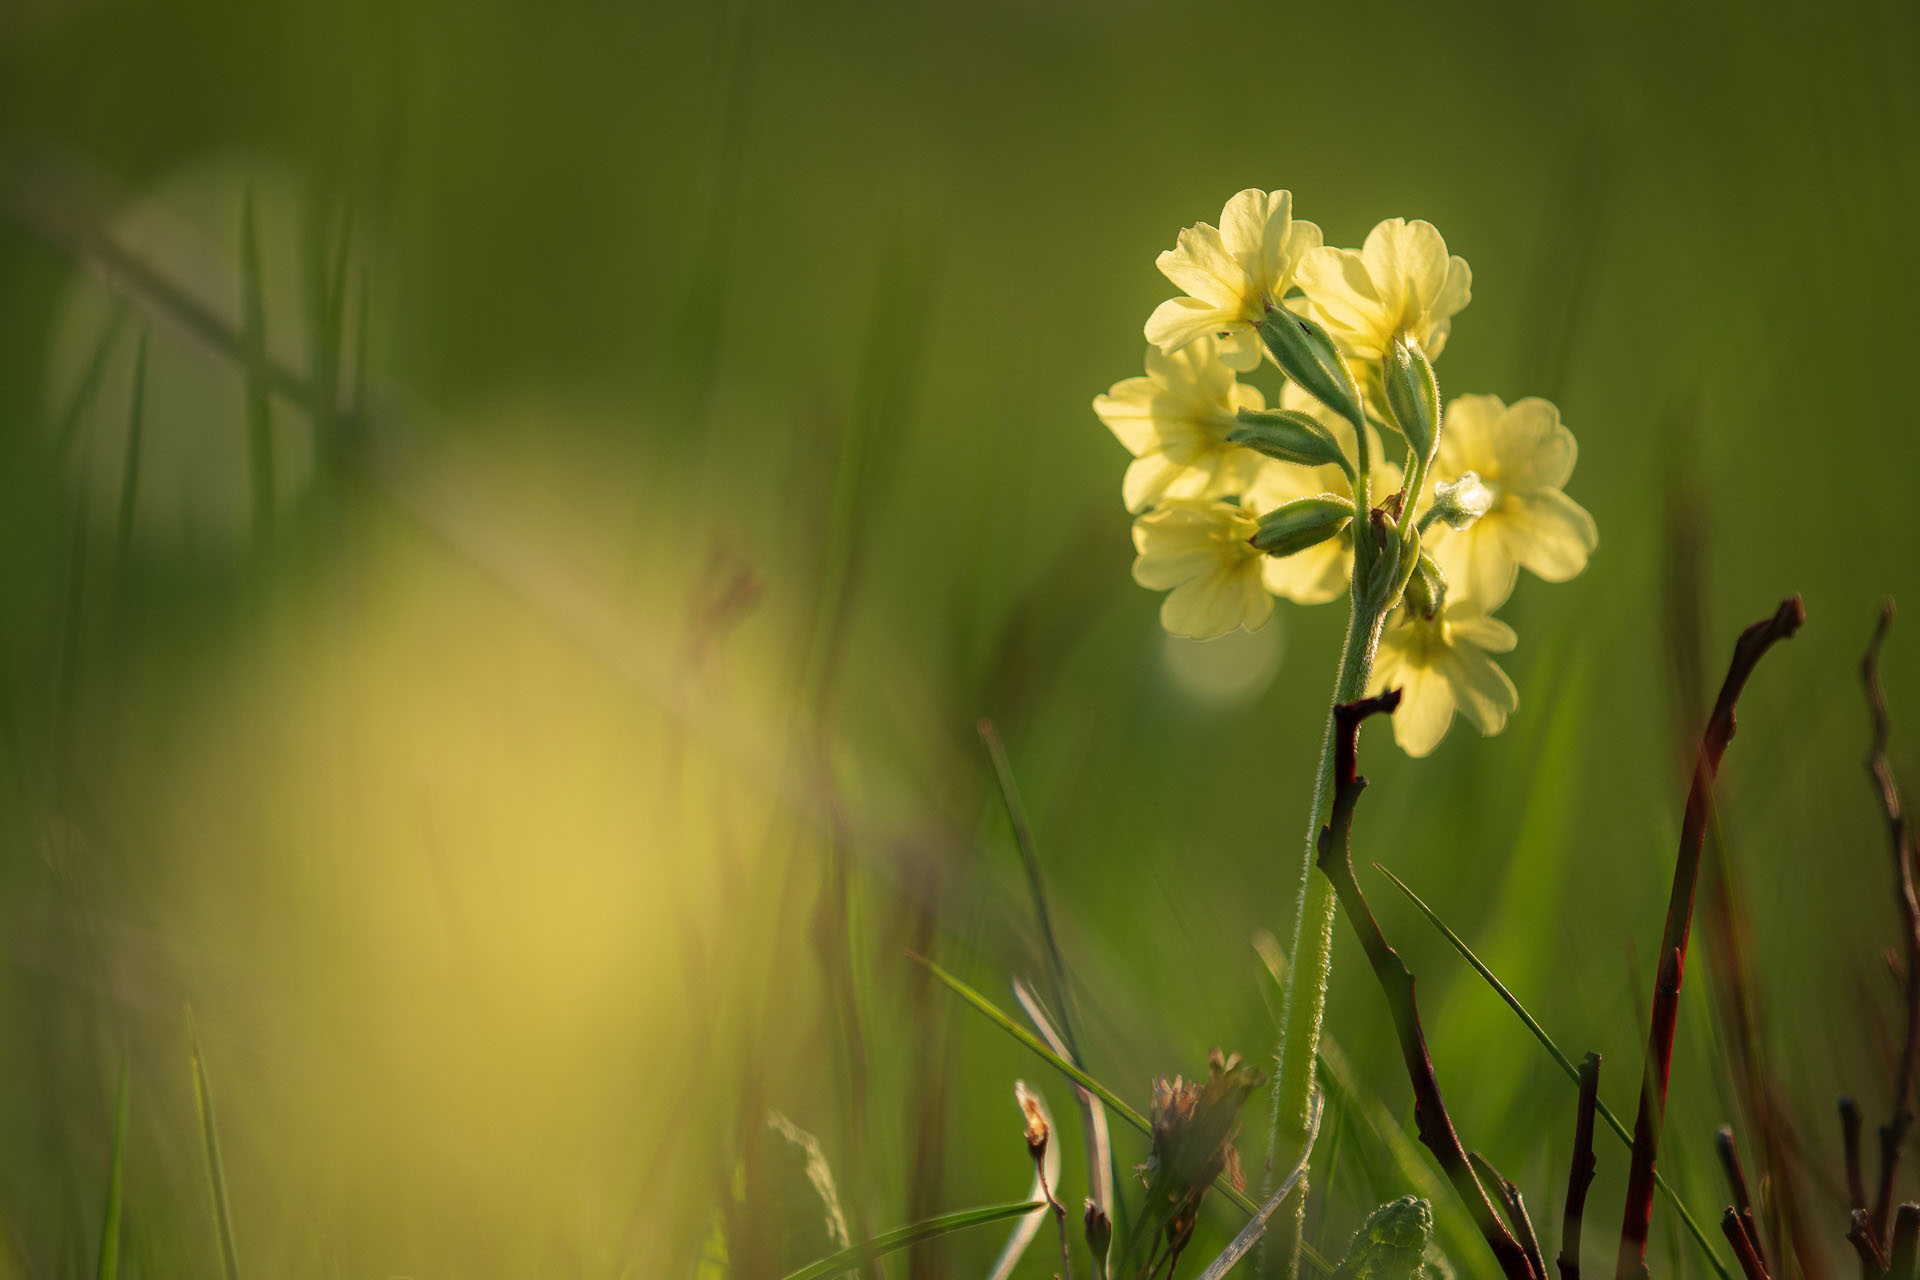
{"type": "Point", "coordinates": [130, 467]}
{"type": "Point", "coordinates": [1039, 1046]}
{"type": "Point", "coordinates": [109, 1266]}
{"type": "Point", "coordinates": [89, 379]}
{"type": "Point", "coordinates": [216, 1173]}
{"type": "Point", "coordinates": [900, 1237]}
{"type": "Point", "coordinates": [1566, 1064]}
{"type": "Point", "coordinates": [1087, 1082]}
{"type": "Point", "coordinates": [253, 312]}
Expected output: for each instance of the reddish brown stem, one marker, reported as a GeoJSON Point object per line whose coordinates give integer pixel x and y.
{"type": "Point", "coordinates": [1873, 1263]}
{"type": "Point", "coordinates": [1637, 1218]}
{"type": "Point", "coordinates": [1894, 1132]}
{"type": "Point", "coordinates": [1335, 860]}
{"type": "Point", "coordinates": [1737, 1180]}
{"type": "Point", "coordinates": [1744, 1247]}
{"type": "Point", "coordinates": [1516, 1207]}
{"type": "Point", "coordinates": [1580, 1177]}
{"type": "Point", "coordinates": [1850, 1125]}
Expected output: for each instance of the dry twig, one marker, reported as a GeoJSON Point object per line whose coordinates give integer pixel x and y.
{"type": "Point", "coordinates": [1637, 1218]}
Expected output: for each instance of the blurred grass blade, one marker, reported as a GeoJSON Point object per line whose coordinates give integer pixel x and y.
{"type": "Point", "coordinates": [1066, 1068]}
{"type": "Point", "coordinates": [109, 1266]}
{"type": "Point", "coordinates": [899, 1238]}
{"type": "Point", "coordinates": [1256, 1227]}
{"type": "Point", "coordinates": [1030, 861]}
{"type": "Point", "coordinates": [1566, 1064]}
{"type": "Point", "coordinates": [130, 467]}
{"type": "Point", "coordinates": [89, 378]}
{"type": "Point", "coordinates": [253, 312]}
{"type": "Point", "coordinates": [1034, 1043]}
{"type": "Point", "coordinates": [216, 1174]}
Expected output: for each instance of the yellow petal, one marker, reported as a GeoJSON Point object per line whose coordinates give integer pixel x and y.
{"type": "Point", "coordinates": [1128, 411]}
{"type": "Point", "coordinates": [1550, 534]}
{"type": "Point", "coordinates": [1314, 576]}
{"type": "Point", "coordinates": [1481, 690]}
{"type": "Point", "coordinates": [1216, 603]}
{"type": "Point", "coordinates": [1425, 711]}
{"type": "Point", "coordinates": [1201, 265]}
{"type": "Point", "coordinates": [1478, 566]}
{"type": "Point", "coordinates": [1240, 349]}
{"type": "Point", "coordinates": [1178, 321]}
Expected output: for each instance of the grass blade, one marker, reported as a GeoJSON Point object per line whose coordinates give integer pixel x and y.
{"type": "Point", "coordinates": [109, 1266]}
{"type": "Point", "coordinates": [130, 467]}
{"type": "Point", "coordinates": [216, 1174]}
{"type": "Point", "coordinates": [253, 311]}
{"type": "Point", "coordinates": [1566, 1064]}
{"type": "Point", "coordinates": [900, 1237]}
{"type": "Point", "coordinates": [1033, 1042]}
{"type": "Point", "coordinates": [90, 376]}
{"type": "Point", "coordinates": [1087, 1082]}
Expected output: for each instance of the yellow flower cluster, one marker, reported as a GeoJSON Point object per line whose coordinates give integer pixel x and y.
{"type": "Point", "coordinates": [1223, 524]}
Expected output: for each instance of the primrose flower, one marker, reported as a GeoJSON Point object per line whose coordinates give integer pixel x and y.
{"type": "Point", "coordinates": [1198, 552]}
{"type": "Point", "coordinates": [1440, 665]}
{"type": "Point", "coordinates": [1232, 275]}
{"type": "Point", "coordinates": [1523, 454]}
{"type": "Point", "coordinates": [1400, 281]}
{"type": "Point", "coordinates": [1321, 572]}
{"type": "Point", "coordinates": [1175, 421]}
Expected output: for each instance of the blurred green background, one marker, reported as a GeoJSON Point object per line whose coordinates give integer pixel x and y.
{"type": "Point", "coordinates": [683, 436]}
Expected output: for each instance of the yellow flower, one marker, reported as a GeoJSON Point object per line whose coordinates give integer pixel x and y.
{"type": "Point", "coordinates": [1440, 665]}
{"type": "Point", "coordinates": [1175, 422]}
{"type": "Point", "coordinates": [1232, 275]}
{"type": "Point", "coordinates": [1198, 552]}
{"type": "Point", "coordinates": [1523, 454]}
{"type": "Point", "coordinates": [1322, 572]}
{"type": "Point", "coordinates": [1400, 281]}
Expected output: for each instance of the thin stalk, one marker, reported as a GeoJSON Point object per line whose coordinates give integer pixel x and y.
{"type": "Point", "coordinates": [216, 1170]}
{"type": "Point", "coordinates": [1311, 960]}
{"type": "Point", "coordinates": [108, 1267]}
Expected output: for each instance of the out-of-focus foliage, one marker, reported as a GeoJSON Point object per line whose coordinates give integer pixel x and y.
{"type": "Point", "coordinates": [679, 437]}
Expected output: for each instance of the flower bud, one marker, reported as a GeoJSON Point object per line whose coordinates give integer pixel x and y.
{"type": "Point", "coordinates": [1099, 1235]}
{"type": "Point", "coordinates": [1288, 436]}
{"type": "Point", "coordinates": [1462, 502]}
{"type": "Point", "coordinates": [1036, 1117]}
{"type": "Point", "coordinates": [1300, 524]}
{"type": "Point", "coordinates": [1426, 591]}
{"type": "Point", "coordinates": [1413, 395]}
{"type": "Point", "coordinates": [1387, 572]}
{"type": "Point", "coordinates": [1306, 354]}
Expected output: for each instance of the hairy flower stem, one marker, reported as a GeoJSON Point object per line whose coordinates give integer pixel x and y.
{"type": "Point", "coordinates": [1311, 959]}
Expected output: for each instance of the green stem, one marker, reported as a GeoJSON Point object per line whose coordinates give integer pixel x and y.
{"type": "Point", "coordinates": [1312, 959]}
